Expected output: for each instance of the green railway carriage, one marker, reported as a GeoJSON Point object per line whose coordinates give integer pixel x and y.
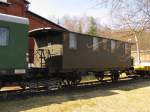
{"type": "Point", "coordinates": [13, 45]}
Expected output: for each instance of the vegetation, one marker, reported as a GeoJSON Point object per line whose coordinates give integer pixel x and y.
{"type": "Point", "coordinates": [93, 27]}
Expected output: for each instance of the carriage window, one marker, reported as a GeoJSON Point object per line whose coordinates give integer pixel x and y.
{"type": "Point", "coordinates": [127, 48]}
{"type": "Point", "coordinates": [105, 44]}
{"type": "Point", "coordinates": [95, 43]}
{"type": "Point", "coordinates": [4, 35]}
{"type": "Point", "coordinates": [113, 45]}
{"type": "Point", "coordinates": [72, 41]}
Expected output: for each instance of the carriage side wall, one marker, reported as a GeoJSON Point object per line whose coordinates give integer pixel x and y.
{"type": "Point", "coordinates": [87, 58]}
{"type": "Point", "coordinates": [13, 55]}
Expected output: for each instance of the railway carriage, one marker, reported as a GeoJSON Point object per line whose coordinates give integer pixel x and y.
{"type": "Point", "coordinates": [60, 57]}
{"type": "Point", "coordinates": [71, 55]}
{"type": "Point", "coordinates": [13, 48]}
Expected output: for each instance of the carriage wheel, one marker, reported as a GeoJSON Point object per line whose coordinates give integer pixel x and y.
{"type": "Point", "coordinates": [99, 76]}
{"type": "Point", "coordinates": [115, 76]}
{"type": "Point", "coordinates": [1, 85]}
{"type": "Point", "coordinates": [75, 82]}
{"type": "Point", "coordinates": [23, 85]}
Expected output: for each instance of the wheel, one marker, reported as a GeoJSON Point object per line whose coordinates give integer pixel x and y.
{"type": "Point", "coordinates": [78, 80]}
{"type": "Point", "coordinates": [142, 74]}
{"type": "Point", "coordinates": [99, 76]}
{"type": "Point", "coordinates": [23, 85]}
{"type": "Point", "coordinates": [54, 84]}
{"type": "Point", "coordinates": [149, 73]}
{"type": "Point", "coordinates": [73, 79]}
{"type": "Point", "coordinates": [64, 82]}
{"type": "Point", "coordinates": [1, 85]}
{"type": "Point", "coordinates": [33, 85]}
{"type": "Point", "coordinates": [74, 82]}
{"type": "Point", "coordinates": [127, 73]}
{"type": "Point", "coordinates": [69, 82]}
{"type": "Point", "coordinates": [115, 76]}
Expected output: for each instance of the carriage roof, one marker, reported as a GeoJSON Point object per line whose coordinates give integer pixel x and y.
{"type": "Point", "coordinates": [15, 19]}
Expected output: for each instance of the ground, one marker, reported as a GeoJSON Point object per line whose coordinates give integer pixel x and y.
{"type": "Point", "coordinates": [125, 96]}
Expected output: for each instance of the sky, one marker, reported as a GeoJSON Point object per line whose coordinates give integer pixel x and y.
{"type": "Point", "coordinates": [59, 8]}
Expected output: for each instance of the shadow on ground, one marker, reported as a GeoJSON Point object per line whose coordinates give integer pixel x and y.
{"type": "Point", "coordinates": [24, 102]}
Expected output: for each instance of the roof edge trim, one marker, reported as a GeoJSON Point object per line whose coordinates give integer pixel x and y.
{"type": "Point", "coordinates": [15, 19]}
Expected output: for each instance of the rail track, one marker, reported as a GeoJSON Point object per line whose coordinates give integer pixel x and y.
{"type": "Point", "coordinates": [20, 93]}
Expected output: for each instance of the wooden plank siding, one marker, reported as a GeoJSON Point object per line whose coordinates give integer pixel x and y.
{"type": "Point", "coordinates": [85, 58]}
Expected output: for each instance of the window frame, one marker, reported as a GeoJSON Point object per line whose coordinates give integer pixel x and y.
{"type": "Point", "coordinates": [73, 41]}
{"type": "Point", "coordinates": [105, 42]}
{"type": "Point", "coordinates": [8, 36]}
{"type": "Point", "coordinates": [95, 43]}
{"type": "Point", "coordinates": [126, 48]}
{"type": "Point", "coordinates": [113, 48]}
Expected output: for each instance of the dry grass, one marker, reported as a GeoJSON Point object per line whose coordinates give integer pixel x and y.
{"type": "Point", "coordinates": [131, 96]}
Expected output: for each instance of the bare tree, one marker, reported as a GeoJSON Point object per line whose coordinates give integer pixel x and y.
{"type": "Point", "coordinates": [70, 23]}
{"type": "Point", "coordinates": [82, 24]}
{"type": "Point", "coordinates": [132, 16]}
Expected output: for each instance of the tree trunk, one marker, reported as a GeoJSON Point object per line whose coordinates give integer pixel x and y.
{"type": "Point", "coordinates": [137, 49]}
